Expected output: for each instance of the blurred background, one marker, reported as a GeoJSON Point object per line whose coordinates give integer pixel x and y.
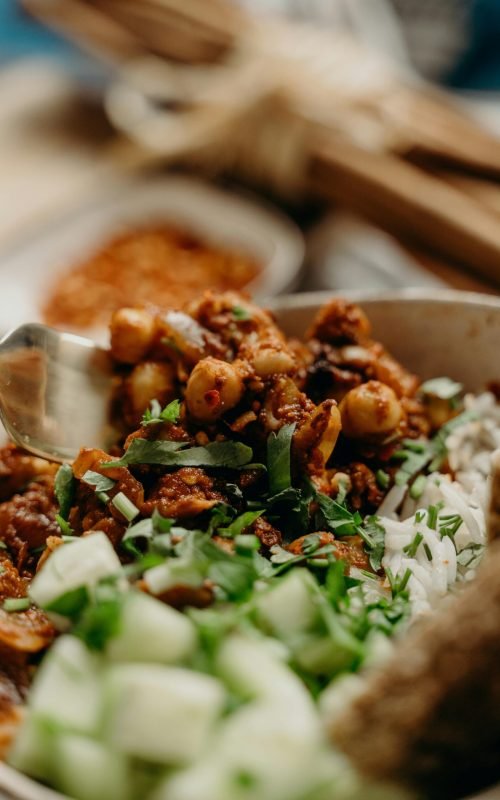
{"type": "Point", "coordinates": [269, 144]}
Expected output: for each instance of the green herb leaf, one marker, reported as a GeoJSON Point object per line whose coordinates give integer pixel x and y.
{"type": "Point", "coordinates": [100, 483]}
{"type": "Point", "coordinates": [154, 414]}
{"type": "Point", "coordinates": [241, 313]}
{"type": "Point", "coordinates": [374, 538]}
{"type": "Point", "coordinates": [399, 583]}
{"type": "Point", "coordinates": [418, 455]}
{"type": "Point", "coordinates": [64, 489]}
{"type": "Point", "coordinates": [449, 525]}
{"type": "Point", "coordinates": [101, 620]}
{"type": "Point", "coordinates": [337, 516]}
{"type": "Point", "coordinates": [147, 529]}
{"type": "Point", "coordinates": [279, 459]}
{"type": "Point", "coordinates": [240, 524]}
{"type": "Point", "coordinates": [411, 549]}
{"type": "Point", "coordinates": [229, 455]}
{"type": "Point", "coordinates": [71, 603]}
{"type": "Point", "coordinates": [443, 388]}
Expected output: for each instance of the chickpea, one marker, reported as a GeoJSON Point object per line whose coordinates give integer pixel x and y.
{"type": "Point", "coordinates": [318, 436]}
{"type": "Point", "coordinates": [271, 361]}
{"type": "Point", "coordinates": [151, 380]}
{"type": "Point", "coordinates": [132, 334]}
{"type": "Point", "coordinates": [213, 387]}
{"type": "Point", "coordinates": [340, 322]}
{"type": "Point", "coordinates": [371, 409]}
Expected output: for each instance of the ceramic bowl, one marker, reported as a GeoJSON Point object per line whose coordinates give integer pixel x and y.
{"type": "Point", "coordinates": [433, 333]}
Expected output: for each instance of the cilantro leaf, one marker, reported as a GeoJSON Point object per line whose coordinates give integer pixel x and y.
{"type": "Point", "coordinates": [279, 458]}
{"type": "Point", "coordinates": [375, 543]}
{"type": "Point", "coordinates": [240, 524]}
{"type": "Point", "coordinates": [337, 516]}
{"type": "Point", "coordinates": [100, 482]}
{"type": "Point", "coordinates": [154, 414]}
{"type": "Point", "coordinates": [229, 455]}
{"type": "Point", "coordinates": [147, 529]}
{"type": "Point", "coordinates": [64, 489]}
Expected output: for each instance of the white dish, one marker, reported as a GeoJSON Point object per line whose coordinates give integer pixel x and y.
{"type": "Point", "coordinates": [433, 332]}
{"type": "Point", "coordinates": [222, 217]}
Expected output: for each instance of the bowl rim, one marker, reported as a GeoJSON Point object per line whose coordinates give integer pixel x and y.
{"type": "Point", "coordinates": [436, 296]}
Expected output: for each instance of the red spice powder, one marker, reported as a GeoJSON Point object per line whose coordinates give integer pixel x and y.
{"type": "Point", "coordinates": [158, 264]}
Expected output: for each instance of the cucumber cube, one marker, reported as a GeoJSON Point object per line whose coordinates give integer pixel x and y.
{"type": "Point", "coordinates": [32, 749]}
{"type": "Point", "coordinates": [87, 770]}
{"type": "Point", "coordinates": [288, 607]}
{"type": "Point", "coordinates": [67, 687]}
{"type": "Point", "coordinates": [82, 563]}
{"type": "Point", "coordinates": [161, 714]}
{"type": "Point", "coordinates": [253, 669]}
{"type": "Point", "coordinates": [151, 631]}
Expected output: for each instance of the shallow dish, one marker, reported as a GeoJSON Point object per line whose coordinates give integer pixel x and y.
{"type": "Point", "coordinates": [221, 217]}
{"type": "Point", "coordinates": [434, 333]}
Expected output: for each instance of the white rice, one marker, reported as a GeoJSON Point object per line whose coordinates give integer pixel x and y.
{"type": "Point", "coordinates": [440, 563]}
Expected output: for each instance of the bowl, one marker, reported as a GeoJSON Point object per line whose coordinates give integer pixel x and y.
{"type": "Point", "coordinates": [223, 218]}
{"type": "Point", "coordinates": [439, 332]}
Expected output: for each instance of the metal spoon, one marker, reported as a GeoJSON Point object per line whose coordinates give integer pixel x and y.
{"type": "Point", "coordinates": [55, 391]}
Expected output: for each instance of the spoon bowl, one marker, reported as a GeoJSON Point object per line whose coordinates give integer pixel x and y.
{"type": "Point", "coordinates": [55, 392]}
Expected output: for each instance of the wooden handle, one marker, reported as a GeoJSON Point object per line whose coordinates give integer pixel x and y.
{"type": "Point", "coordinates": [404, 199]}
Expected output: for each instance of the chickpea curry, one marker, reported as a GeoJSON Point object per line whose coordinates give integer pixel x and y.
{"type": "Point", "coordinates": [244, 455]}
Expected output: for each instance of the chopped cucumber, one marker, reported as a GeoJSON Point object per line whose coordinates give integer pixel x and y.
{"type": "Point", "coordinates": [161, 714]}
{"type": "Point", "coordinates": [275, 745]}
{"type": "Point", "coordinates": [253, 669]}
{"type": "Point", "coordinates": [326, 654]}
{"type": "Point", "coordinates": [67, 687]}
{"type": "Point", "coordinates": [173, 573]}
{"type": "Point", "coordinates": [77, 564]}
{"type": "Point", "coordinates": [264, 751]}
{"type": "Point", "coordinates": [88, 770]}
{"type": "Point", "coordinates": [151, 631]}
{"type": "Point", "coordinates": [288, 607]}
{"type": "Point", "coordinates": [32, 749]}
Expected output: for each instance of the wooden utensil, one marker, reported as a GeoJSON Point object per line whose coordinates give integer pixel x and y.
{"type": "Point", "coordinates": [310, 112]}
